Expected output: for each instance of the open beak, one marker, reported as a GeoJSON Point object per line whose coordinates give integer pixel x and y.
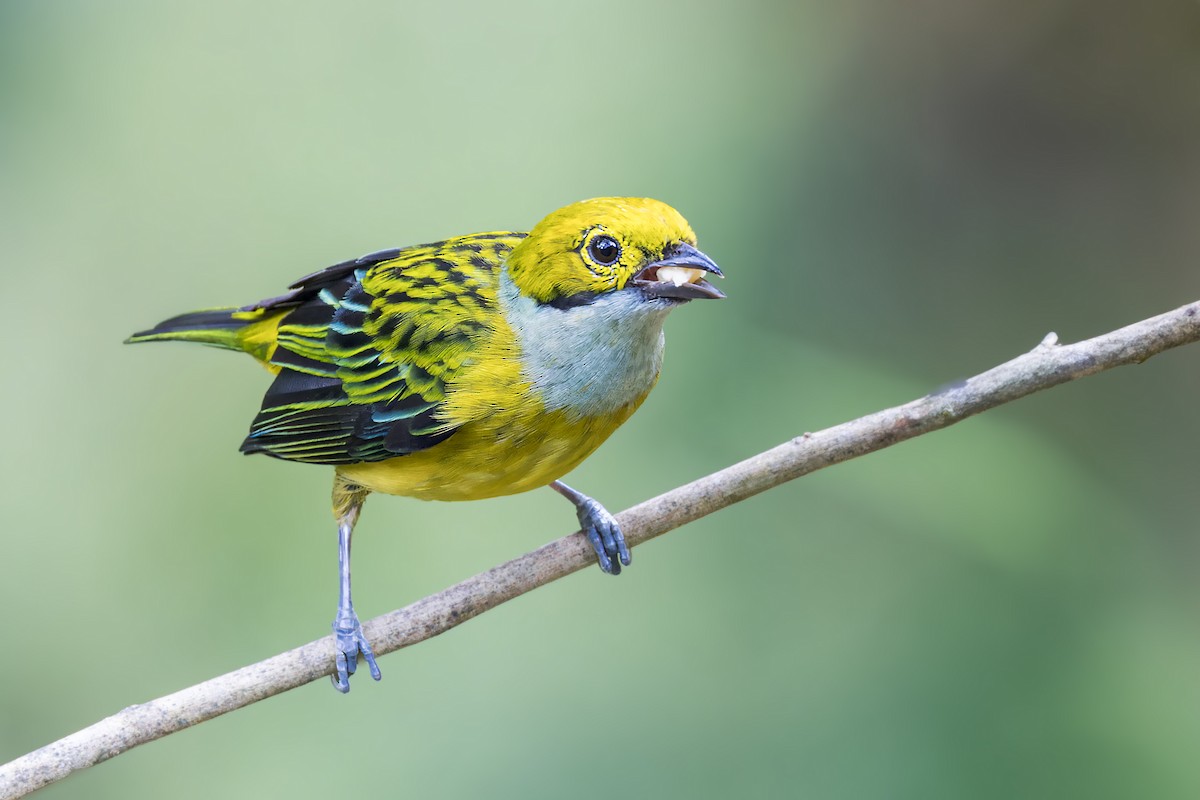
{"type": "Point", "coordinates": [679, 275]}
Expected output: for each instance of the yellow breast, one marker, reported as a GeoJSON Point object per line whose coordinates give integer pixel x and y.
{"type": "Point", "coordinates": [542, 393]}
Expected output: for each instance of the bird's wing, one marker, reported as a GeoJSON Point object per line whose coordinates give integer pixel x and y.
{"type": "Point", "coordinates": [368, 347]}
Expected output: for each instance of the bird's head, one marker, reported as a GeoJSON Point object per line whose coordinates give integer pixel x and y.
{"type": "Point", "coordinates": [595, 247]}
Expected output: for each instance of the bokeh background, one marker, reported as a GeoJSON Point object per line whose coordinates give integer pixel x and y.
{"type": "Point", "coordinates": [902, 194]}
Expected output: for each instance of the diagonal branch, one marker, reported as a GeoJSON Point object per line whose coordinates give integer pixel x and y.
{"type": "Point", "coordinates": [1047, 365]}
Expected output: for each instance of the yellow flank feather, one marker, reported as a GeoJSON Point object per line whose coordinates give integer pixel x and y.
{"type": "Point", "coordinates": [477, 366]}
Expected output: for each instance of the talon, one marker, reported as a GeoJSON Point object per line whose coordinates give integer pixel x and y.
{"type": "Point", "coordinates": [598, 546]}
{"type": "Point", "coordinates": [601, 529]}
{"type": "Point", "coordinates": [610, 544]}
{"type": "Point", "coordinates": [369, 655]}
{"type": "Point", "coordinates": [622, 550]}
{"type": "Point", "coordinates": [610, 550]}
{"type": "Point", "coordinates": [605, 535]}
{"type": "Point", "coordinates": [341, 680]}
{"type": "Point", "coordinates": [349, 642]}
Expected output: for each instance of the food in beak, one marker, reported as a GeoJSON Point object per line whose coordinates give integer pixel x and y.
{"type": "Point", "coordinates": [679, 275]}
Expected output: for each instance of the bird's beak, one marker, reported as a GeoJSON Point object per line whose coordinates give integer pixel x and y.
{"type": "Point", "coordinates": [679, 275]}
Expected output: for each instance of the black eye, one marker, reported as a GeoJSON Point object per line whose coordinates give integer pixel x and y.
{"type": "Point", "coordinates": [604, 250]}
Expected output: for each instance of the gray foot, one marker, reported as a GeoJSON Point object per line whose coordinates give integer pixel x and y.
{"type": "Point", "coordinates": [348, 642]}
{"type": "Point", "coordinates": [605, 535]}
{"type": "Point", "coordinates": [600, 527]}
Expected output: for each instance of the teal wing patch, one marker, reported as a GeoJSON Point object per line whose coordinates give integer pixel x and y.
{"type": "Point", "coordinates": [368, 347]}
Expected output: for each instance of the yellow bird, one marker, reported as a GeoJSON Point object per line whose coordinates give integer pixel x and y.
{"type": "Point", "coordinates": [479, 366]}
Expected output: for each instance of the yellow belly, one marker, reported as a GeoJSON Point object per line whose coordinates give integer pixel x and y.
{"type": "Point", "coordinates": [506, 440]}
{"type": "Point", "coordinates": [504, 454]}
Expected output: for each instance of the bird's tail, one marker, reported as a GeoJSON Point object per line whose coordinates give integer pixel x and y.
{"type": "Point", "coordinates": [231, 328]}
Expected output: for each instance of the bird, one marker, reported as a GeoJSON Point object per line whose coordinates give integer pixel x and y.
{"type": "Point", "coordinates": [474, 367]}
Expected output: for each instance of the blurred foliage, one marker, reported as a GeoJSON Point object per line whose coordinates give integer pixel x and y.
{"type": "Point", "coordinates": [901, 195]}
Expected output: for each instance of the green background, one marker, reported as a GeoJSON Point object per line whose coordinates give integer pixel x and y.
{"type": "Point", "coordinates": [901, 195]}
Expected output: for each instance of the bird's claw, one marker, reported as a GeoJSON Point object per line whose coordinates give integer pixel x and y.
{"type": "Point", "coordinates": [348, 642]}
{"type": "Point", "coordinates": [604, 533]}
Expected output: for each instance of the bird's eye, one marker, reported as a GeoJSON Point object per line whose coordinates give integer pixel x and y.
{"type": "Point", "coordinates": [604, 250]}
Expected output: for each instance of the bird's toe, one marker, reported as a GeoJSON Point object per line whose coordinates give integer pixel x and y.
{"type": "Point", "coordinates": [349, 642]}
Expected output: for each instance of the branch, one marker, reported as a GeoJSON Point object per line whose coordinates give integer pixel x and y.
{"type": "Point", "coordinates": [1047, 365]}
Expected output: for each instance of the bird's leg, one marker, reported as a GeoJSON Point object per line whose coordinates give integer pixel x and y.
{"type": "Point", "coordinates": [600, 527]}
{"type": "Point", "coordinates": [348, 636]}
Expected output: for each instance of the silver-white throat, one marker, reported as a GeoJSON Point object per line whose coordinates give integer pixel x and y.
{"type": "Point", "coordinates": [590, 359]}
